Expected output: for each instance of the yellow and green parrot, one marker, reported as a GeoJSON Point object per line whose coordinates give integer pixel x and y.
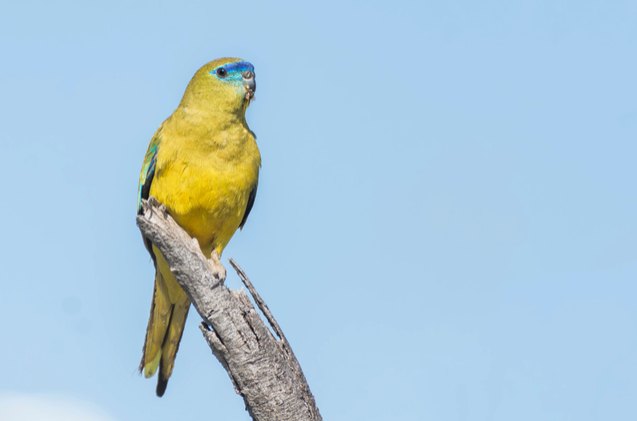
{"type": "Point", "coordinates": [203, 165]}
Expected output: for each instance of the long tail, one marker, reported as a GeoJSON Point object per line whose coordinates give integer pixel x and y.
{"type": "Point", "coordinates": [166, 325]}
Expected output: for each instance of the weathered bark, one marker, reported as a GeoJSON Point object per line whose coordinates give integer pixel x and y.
{"type": "Point", "coordinates": [262, 367]}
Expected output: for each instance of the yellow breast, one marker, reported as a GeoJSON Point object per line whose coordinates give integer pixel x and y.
{"type": "Point", "coordinates": [205, 181]}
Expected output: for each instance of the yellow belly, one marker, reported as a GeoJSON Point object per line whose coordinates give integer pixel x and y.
{"type": "Point", "coordinates": [207, 201]}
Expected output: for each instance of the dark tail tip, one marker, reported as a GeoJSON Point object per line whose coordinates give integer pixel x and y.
{"type": "Point", "coordinates": [161, 386]}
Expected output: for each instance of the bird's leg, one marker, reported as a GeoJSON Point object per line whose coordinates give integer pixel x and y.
{"type": "Point", "coordinates": [218, 271]}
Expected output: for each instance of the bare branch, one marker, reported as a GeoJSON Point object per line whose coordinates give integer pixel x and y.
{"type": "Point", "coordinates": [263, 369]}
{"type": "Point", "coordinates": [257, 299]}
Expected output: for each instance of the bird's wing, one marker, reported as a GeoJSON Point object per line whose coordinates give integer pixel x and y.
{"type": "Point", "coordinates": [148, 171]}
{"type": "Point", "coordinates": [253, 195]}
{"type": "Point", "coordinates": [145, 181]}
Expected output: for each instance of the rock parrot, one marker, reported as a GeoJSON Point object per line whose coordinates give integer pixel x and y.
{"type": "Point", "coordinates": [203, 165]}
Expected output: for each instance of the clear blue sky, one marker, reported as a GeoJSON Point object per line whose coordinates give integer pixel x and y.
{"type": "Point", "coordinates": [446, 220]}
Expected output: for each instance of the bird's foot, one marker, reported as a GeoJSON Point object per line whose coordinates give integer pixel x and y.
{"type": "Point", "coordinates": [218, 271]}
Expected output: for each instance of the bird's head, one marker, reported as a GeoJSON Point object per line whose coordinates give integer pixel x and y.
{"type": "Point", "coordinates": [225, 85]}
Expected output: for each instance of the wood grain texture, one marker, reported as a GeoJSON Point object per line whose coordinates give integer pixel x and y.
{"type": "Point", "coordinates": [262, 367]}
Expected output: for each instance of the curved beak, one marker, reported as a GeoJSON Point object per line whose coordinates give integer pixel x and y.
{"type": "Point", "coordinates": [249, 83]}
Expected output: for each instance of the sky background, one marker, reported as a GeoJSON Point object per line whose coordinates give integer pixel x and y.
{"type": "Point", "coordinates": [445, 226]}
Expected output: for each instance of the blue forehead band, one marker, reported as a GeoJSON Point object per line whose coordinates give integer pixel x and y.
{"type": "Point", "coordinates": [236, 67]}
{"type": "Point", "coordinates": [240, 66]}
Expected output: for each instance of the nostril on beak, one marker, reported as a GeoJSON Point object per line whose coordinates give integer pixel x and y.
{"type": "Point", "coordinates": [248, 74]}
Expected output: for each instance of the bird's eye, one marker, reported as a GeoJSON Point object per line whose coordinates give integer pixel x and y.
{"type": "Point", "coordinates": [221, 72]}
